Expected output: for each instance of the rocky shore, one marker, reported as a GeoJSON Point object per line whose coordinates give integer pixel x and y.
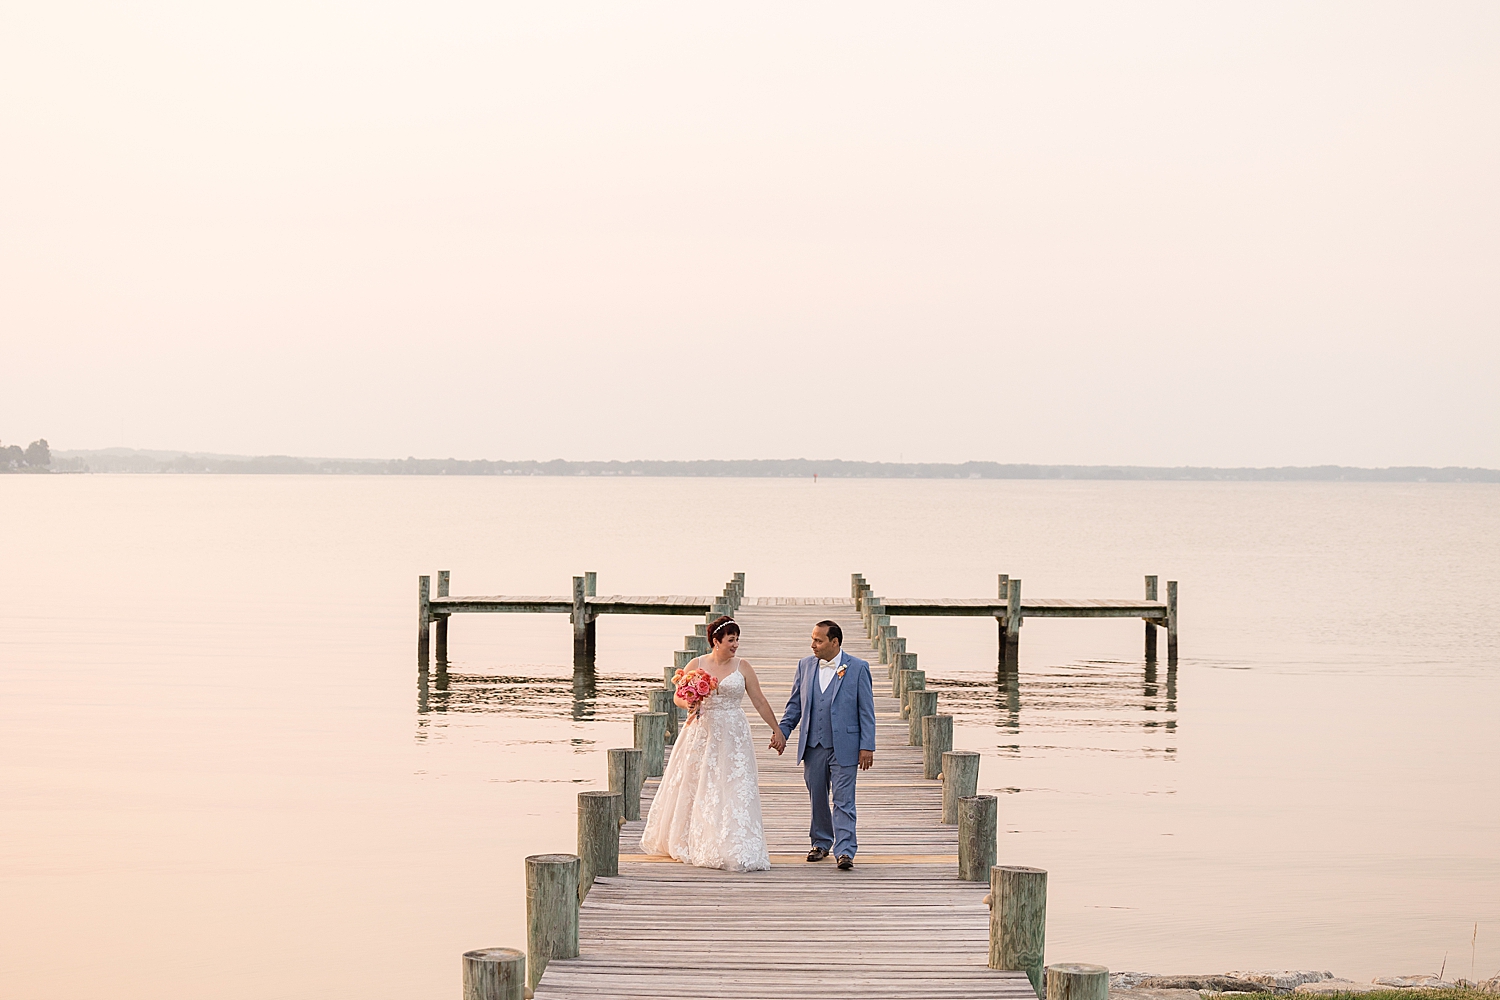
{"type": "Point", "coordinates": [1149, 986]}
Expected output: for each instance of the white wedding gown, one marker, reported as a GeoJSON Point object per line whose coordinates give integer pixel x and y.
{"type": "Point", "coordinates": [707, 808]}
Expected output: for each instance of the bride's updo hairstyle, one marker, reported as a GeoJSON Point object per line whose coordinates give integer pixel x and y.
{"type": "Point", "coordinates": [722, 628]}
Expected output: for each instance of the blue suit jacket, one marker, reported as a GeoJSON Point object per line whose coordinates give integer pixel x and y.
{"type": "Point", "coordinates": [853, 697]}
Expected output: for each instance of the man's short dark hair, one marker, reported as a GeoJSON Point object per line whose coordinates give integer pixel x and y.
{"type": "Point", "coordinates": [834, 632]}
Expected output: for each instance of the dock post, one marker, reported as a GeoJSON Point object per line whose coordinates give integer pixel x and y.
{"type": "Point", "coordinates": [625, 777]}
{"type": "Point", "coordinates": [960, 780]}
{"type": "Point", "coordinates": [884, 642]}
{"type": "Point", "coordinates": [580, 623]}
{"type": "Point", "coordinates": [937, 739]}
{"type": "Point", "coordinates": [661, 701]}
{"type": "Point", "coordinates": [902, 661]}
{"type": "Point", "coordinates": [1018, 922]}
{"type": "Point", "coordinates": [599, 820]}
{"type": "Point", "coordinates": [590, 623]}
{"type": "Point", "coordinates": [1073, 981]}
{"type": "Point", "coordinates": [551, 912]}
{"type": "Point", "coordinates": [1000, 620]}
{"type": "Point", "coordinates": [1013, 620]}
{"type": "Point", "coordinates": [442, 620]}
{"type": "Point", "coordinates": [494, 974]}
{"type": "Point", "coordinates": [424, 616]}
{"type": "Point", "coordinates": [680, 659]}
{"type": "Point", "coordinates": [651, 737]}
{"type": "Point", "coordinates": [1150, 625]}
{"type": "Point", "coordinates": [920, 705]}
{"type": "Point", "coordinates": [882, 622]}
{"type": "Point", "coordinates": [978, 819]}
{"type": "Point", "coordinates": [896, 648]}
{"type": "Point", "coordinates": [915, 680]}
{"type": "Point", "coordinates": [1171, 623]}
{"type": "Point", "coordinates": [898, 687]}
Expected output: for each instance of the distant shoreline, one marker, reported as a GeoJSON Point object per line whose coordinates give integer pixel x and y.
{"type": "Point", "coordinates": [126, 460]}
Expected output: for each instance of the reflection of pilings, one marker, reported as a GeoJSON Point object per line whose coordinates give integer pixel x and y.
{"type": "Point", "coordinates": [1172, 688]}
{"type": "Point", "coordinates": [583, 694]}
{"type": "Point", "coordinates": [1150, 689]}
{"type": "Point", "coordinates": [422, 691]}
{"type": "Point", "coordinates": [1008, 697]}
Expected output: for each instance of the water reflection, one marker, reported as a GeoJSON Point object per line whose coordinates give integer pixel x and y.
{"type": "Point", "coordinates": [1096, 694]}
{"type": "Point", "coordinates": [584, 696]}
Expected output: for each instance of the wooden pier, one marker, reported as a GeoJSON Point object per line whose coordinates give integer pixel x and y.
{"type": "Point", "coordinates": [583, 608]}
{"type": "Point", "coordinates": [1010, 611]}
{"type": "Point", "coordinates": [901, 924]}
{"type": "Point", "coordinates": [929, 911]}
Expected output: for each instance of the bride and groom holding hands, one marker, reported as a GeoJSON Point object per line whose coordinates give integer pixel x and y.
{"type": "Point", "coordinates": [707, 808]}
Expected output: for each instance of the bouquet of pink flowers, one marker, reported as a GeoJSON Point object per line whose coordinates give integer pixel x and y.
{"type": "Point", "coordinates": [694, 685]}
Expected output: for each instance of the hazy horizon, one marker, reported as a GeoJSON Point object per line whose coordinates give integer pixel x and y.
{"type": "Point", "coordinates": [1161, 235]}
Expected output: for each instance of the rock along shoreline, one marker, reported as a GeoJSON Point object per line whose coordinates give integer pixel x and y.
{"type": "Point", "coordinates": [1150, 986]}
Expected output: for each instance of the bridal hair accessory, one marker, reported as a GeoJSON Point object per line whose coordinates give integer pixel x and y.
{"type": "Point", "coordinates": [723, 625]}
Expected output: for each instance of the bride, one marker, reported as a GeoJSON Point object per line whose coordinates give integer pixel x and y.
{"type": "Point", "coordinates": [707, 807]}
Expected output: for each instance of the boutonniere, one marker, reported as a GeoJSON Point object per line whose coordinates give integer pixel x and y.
{"type": "Point", "coordinates": [841, 670]}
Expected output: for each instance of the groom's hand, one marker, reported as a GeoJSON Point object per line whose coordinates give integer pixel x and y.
{"type": "Point", "coordinates": [866, 758]}
{"type": "Point", "coordinates": [778, 741]}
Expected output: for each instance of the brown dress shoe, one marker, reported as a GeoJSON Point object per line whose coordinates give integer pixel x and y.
{"type": "Point", "coordinates": [846, 863]}
{"type": "Point", "coordinates": [817, 854]}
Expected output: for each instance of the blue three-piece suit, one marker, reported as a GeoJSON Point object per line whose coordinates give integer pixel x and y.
{"type": "Point", "coordinates": [836, 725]}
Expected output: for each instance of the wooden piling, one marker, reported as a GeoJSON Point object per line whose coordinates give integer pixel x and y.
{"type": "Point", "coordinates": [626, 777]}
{"type": "Point", "coordinates": [883, 643]}
{"type": "Point", "coordinates": [1002, 621]}
{"type": "Point", "coordinates": [880, 622]}
{"type": "Point", "coordinates": [579, 618]}
{"type": "Point", "coordinates": [916, 680]}
{"type": "Point", "coordinates": [920, 705]}
{"type": "Point", "coordinates": [442, 620]}
{"type": "Point", "coordinates": [424, 616]}
{"type": "Point", "coordinates": [902, 661]}
{"type": "Point", "coordinates": [1013, 617]}
{"type": "Point", "coordinates": [651, 739]}
{"type": "Point", "coordinates": [978, 818]}
{"type": "Point", "coordinates": [1018, 922]}
{"type": "Point", "coordinates": [697, 645]}
{"type": "Point", "coordinates": [1150, 626]}
{"type": "Point", "coordinates": [1074, 981]}
{"type": "Point", "coordinates": [551, 912]}
{"type": "Point", "coordinates": [661, 701]}
{"type": "Point", "coordinates": [494, 974]}
{"type": "Point", "coordinates": [680, 659]}
{"type": "Point", "coordinates": [937, 739]}
{"type": "Point", "coordinates": [960, 780]}
{"type": "Point", "coordinates": [600, 815]}
{"type": "Point", "coordinates": [898, 686]}
{"type": "Point", "coordinates": [1171, 623]}
{"type": "Point", "coordinates": [895, 649]}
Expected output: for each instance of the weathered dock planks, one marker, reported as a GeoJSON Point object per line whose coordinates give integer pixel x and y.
{"type": "Point", "coordinates": [900, 925]}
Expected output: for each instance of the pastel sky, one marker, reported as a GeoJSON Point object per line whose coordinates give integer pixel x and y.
{"type": "Point", "coordinates": [1153, 233]}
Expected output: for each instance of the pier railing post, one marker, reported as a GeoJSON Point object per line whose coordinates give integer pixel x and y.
{"type": "Point", "coordinates": [978, 818]}
{"type": "Point", "coordinates": [424, 616]}
{"type": "Point", "coordinates": [896, 649]}
{"type": "Point", "coordinates": [1012, 621]}
{"type": "Point", "coordinates": [937, 739]}
{"type": "Point", "coordinates": [551, 912]}
{"type": "Point", "coordinates": [442, 620]}
{"type": "Point", "coordinates": [1171, 623]}
{"type": "Point", "coordinates": [898, 687]}
{"type": "Point", "coordinates": [1001, 620]}
{"type": "Point", "coordinates": [920, 705]}
{"type": "Point", "coordinates": [902, 661]}
{"type": "Point", "coordinates": [661, 701]}
{"type": "Point", "coordinates": [1018, 922]}
{"type": "Point", "coordinates": [1073, 981]}
{"type": "Point", "coordinates": [494, 974]}
{"type": "Point", "coordinates": [1150, 625]}
{"type": "Point", "coordinates": [599, 819]}
{"type": "Point", "coordinates": [960, 780]}
{"type": "Point", "coordinates": [914, 681]}
{"type": "Point", "coordinates": [626, 777]}
{"type": "Point", "coordinates": [651, 739]}
{"type": "Point", "coordinates": [580, 623]}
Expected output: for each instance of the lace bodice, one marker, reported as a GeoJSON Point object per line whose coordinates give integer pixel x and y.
{"type": "Point", "coordinates": [729, 694]}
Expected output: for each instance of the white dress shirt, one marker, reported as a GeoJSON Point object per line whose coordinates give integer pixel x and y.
{"type": "Point", "coordinates": [826, 669]}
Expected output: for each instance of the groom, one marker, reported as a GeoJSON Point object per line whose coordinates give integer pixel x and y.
{"type": "Point", "coordinates": [834, 700]}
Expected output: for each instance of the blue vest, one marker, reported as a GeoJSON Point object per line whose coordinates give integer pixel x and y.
{"type": "Point", "coordinates": [820, 728]}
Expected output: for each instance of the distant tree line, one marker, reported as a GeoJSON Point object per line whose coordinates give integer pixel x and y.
{"type": "Point", "coordinates": [123, 460]}
{"type": "Point", "coordinates": [35, 457]}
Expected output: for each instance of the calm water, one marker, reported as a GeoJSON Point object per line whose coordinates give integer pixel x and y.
{"type": "Point", "coordinates": [220, 778]}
